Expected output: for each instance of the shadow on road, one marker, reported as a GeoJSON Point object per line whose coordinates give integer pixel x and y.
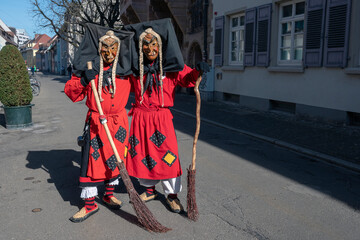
{"type": "Point", "coordinates": [54, 77]}
{"type": "Point", "coordinates": [62, 80]}
{"type": "Point", "coordinates": [59, 164]}
{"type": "Point", "coordinates": [329, 180]}
{"type": "Point", "coordinates": [2, 120]}
{"type": "Point", "coordinates": [63, 170]}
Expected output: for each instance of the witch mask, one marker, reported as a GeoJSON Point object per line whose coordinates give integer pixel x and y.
{"type": "Point", "coordinates": [109, 47]}
{"type": "Point", "coordinates": [150, 47]}
{"type": "Point", "coordinates": [108, 50]}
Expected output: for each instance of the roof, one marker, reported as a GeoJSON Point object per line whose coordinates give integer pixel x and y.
{"type": "Point", "coordinates": [4, 26]}
{"type": "Point", "coordinates": [40, 38]}
{"type": "Point", "coordinates": [8, 37]}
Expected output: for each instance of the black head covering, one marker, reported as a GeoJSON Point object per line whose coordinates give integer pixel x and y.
{"type": "Point", "coordinates": [172, 57]}
{"type": "Point", "coordinates": [89, 50]}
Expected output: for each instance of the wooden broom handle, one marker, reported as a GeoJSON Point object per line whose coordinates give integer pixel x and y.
{"type": "Point", "coordinates": [98, 104]}
{"type": "Point", "coordinates": [197, 131]}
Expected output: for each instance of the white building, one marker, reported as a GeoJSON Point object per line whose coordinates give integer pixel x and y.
{"type": "Point", "coordinates": [296, 56]}
{"type": "Point", "coordinates": [22, 36]}
{"type": "Point", "coordinates": [4, 26]}
{"type": "Point", "coordinates": [6, 35]}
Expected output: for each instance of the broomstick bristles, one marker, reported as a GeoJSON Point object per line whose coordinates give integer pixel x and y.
{"type": "Point", "coordinates": [145, 217]}
{"type": "Point", "coordinates": [192, 209]}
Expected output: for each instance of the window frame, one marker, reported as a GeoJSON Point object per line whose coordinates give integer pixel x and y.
{"type": "Point", "coordinates": [236, 29]}
{"type": "Point", "coordinates": [293, 18]}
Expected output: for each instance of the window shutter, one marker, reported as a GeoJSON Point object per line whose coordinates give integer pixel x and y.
{"type": "Point", "coordinates": [314, 35]}
{"type": "Point", "coordinates": [263, 35]}
{"type": "Point", "coordinates": [250, 27]}
{"type": "Point", "coordinates": [219, 41]}
{"type": "Point", "coordinates": [337, 33]}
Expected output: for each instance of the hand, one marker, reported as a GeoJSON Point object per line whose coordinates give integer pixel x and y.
{"type": "Point", "coordinates": [89, 75]}
{"type": "Point", "coordinates": [202, 67]}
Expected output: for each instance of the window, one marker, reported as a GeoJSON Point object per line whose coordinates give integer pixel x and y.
{"type": "Point", "coordinates": [196, 16]}
{"type": "Point", "coordinates": [218, 44]}
{"type": "Point", "coordinates": [237, 34]}
{"type": "Point", "coordinates": [257, 36]}
{"type": "Point", "coordinates": [291, 32]}
{"type": "Point", "coordinates": [331, 19]}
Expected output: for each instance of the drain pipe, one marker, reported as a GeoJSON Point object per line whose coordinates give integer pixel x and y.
{"type": "Point", "coordinates": [205, 53]}
{"type": "Point", "coordinates": [206, 6]}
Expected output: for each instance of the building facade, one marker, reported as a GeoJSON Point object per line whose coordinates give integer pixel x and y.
{"type": "Point", "coordinates": [6, 35]}
{"type": "Point", "coordinates": [30, 48]}
{"type": "Point", "coordinates": [190, 19]}
{"type": "Point", "coordinates": [22, 35]}
{"type": "Point", "coordinates": [296, 56]}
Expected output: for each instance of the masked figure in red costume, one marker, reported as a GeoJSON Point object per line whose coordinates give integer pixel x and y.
{"type": "Point", "coordinates": [153, 150]}
{"type": "Point", "coordinates": [98, 160]}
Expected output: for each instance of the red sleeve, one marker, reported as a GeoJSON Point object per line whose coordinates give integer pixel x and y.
{"type": "Point", "coordinates": [75, 90]}
{"type": "Point", "coordinates": [187, 77]}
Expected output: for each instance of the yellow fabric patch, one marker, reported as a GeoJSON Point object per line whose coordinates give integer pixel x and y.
{"type": "Point", "coordinates": [169, 158]}
{"type": "Point", "coordinates": [125, 151]}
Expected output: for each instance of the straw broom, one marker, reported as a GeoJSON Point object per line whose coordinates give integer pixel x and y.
{"type": "Point", "coordinates": [192, 210]}
{"type": "Point", "coordinates": [145, 217]}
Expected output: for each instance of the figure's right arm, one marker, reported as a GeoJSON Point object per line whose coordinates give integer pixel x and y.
{"type": "Point", "coordinates": [75, 89]}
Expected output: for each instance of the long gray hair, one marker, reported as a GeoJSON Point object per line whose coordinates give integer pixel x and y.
{"type": "Point", "coordinates": [141, 62]}
{"type": "Point", "coordinates": [109, 34]}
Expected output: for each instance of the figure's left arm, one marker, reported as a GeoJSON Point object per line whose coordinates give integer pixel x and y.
{"type": "Point", "coordinates": [188, 76]}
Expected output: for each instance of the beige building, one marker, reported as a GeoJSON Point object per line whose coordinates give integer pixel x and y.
{"type": "Point", "coordinates": [29, 49]}
{"type": "Point", "coordinates": [296, 56]}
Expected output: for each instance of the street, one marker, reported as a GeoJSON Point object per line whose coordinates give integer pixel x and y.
{"type": "Point", "coordinates": [245, 188]}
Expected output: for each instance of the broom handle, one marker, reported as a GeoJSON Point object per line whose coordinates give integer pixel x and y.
{"type": "Point", "coordinates": [198, 105]}
{"type": "Point", "coordinates": [98, 104]}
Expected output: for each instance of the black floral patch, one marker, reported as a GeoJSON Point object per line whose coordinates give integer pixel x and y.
{"type": "Point", "coordinates": [111, 162]}
{"type": "Point", "coordinates": [121, 134]}
{"type": "Point", "coordinates": [96, 143]}
{"type": "Point", "coordinates": [132, 152]}
{"type": "Point", "coordinates": [133, 141]}
{"type": "Point", "coordinates": [95, 155]}
{"type": "Point", "coordinates": [149, 162]}
{"type": "Point", "coordinates": [157, 138]}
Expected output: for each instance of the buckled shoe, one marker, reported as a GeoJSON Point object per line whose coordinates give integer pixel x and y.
{"type": "Point", "coordinates": [112, 202]}
{"type": "Point", "coordinates": [174, 205]}
{"type": "Point", "coordinates": [82, 214]}
{"type": "Point", "coordinates": [146, 197]}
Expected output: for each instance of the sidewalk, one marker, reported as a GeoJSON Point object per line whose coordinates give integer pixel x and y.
{"type": "Point", "coordinates": [332, 143]}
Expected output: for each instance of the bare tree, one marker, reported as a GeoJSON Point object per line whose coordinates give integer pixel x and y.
{"type": "Point", "coordinates": [68, 17]}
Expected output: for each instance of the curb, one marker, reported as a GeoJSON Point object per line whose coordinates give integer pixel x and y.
{"type": "Point", "coordinates": [301, 150]}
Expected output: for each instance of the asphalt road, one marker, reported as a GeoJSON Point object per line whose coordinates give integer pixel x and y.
{"type": "Point", "coordinates": [246, 189]}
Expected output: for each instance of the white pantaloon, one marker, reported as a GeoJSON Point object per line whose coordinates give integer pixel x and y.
{"type": "Point", "coordinates": [170, 186]}
{"type": "Point", "coordinates": [88, 192]}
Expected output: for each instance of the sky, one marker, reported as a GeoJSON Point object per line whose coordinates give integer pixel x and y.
{"type": "Point", "coordinates": [18, 14]}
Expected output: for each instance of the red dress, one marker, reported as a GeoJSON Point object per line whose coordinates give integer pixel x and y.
{"type": "Point", "coordinates": [153, 149]}
{"type": "Point", "coordinates": [100, 166]}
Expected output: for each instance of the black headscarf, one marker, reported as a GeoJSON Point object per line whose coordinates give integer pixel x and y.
{"type": "Point", "coordinates": [172, 57]}
{"type": "Point", "coordinates": [151, 69]}
{"type": "Point", "coordinates": [89, 50]}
